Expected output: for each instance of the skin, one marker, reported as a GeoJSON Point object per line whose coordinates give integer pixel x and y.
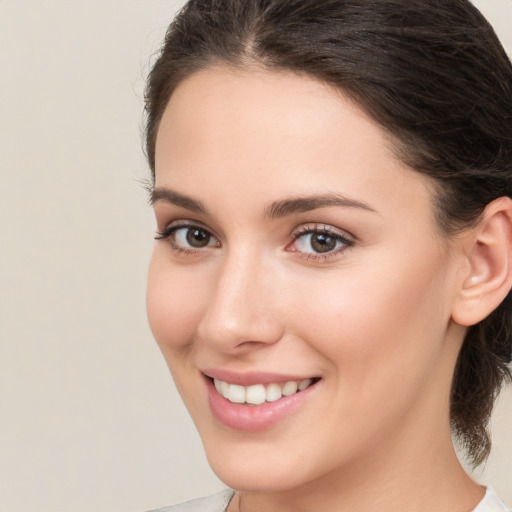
{"type": "Point", "coordinates": [373, 319]}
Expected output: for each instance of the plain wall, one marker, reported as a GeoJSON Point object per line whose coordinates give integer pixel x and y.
{"type": "Point", "coordinates": [89, 418]}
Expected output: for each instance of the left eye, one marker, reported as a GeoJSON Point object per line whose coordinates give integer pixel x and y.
{"type": "Point", "coordinates": [319, 242]}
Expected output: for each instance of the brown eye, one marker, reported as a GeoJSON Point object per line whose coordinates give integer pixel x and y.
{"type": "Point", "coordinates": [322, 242]}
{"type": "Point", "coordinates": [197, 237]}
{"type": "Point", "coordinates": [188, 237]}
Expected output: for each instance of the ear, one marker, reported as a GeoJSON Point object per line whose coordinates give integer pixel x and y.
{"type": "Point", "coordinates": [487, 278]}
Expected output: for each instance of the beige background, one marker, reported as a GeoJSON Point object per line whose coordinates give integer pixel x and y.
{"type": "Point", "coordinates": [89, 417]}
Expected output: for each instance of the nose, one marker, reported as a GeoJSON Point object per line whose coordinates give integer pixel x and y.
{"type": "Point", "coordinates": [242, 312]}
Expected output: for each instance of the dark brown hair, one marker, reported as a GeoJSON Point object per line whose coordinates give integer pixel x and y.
{"type": "Point", "coordinates": [436, 78]}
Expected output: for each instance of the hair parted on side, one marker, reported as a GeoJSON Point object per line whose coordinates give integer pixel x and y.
{"type": "Point", "coordinates": [432, 73]}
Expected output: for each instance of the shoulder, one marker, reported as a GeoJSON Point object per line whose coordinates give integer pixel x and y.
{"type": "Point", "coordinates": [214, 503]}
{"type": "Point", "coordinates": [491, 503]}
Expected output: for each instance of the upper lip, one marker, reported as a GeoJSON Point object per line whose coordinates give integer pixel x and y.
{"type": "Point", "coordinates": [253, 377]}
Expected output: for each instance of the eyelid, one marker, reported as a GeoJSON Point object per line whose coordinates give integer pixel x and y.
{"type": "Point", "coordinates": [182, 223]}
{"type": "Point", "coordinates": [167, 235]}
{"type": "Point", "coordinates": [314, 227]}
{"type": "Point", "coordinates": [347, 239]}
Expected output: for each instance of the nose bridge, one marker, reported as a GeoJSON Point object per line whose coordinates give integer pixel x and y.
{"type": "Point", "coordinates": [241, 311]}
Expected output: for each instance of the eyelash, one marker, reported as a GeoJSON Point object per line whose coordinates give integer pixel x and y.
{"type": "Point", "coordinates": [305, 230]}
{"type": "Point", "coordinates": [168, 234]}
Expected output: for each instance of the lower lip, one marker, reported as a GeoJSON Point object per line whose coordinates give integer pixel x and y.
{"type": "Point", "coordinates": [253, 418]}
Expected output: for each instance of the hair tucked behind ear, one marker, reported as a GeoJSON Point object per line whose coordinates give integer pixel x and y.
{"type": "Point", "coordinates": [431, 72]}
{"type": "Point", "coordinates": [482, 368]}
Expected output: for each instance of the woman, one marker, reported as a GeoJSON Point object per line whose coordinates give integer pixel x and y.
{"type": "Point", "coordinates": [330, 283]}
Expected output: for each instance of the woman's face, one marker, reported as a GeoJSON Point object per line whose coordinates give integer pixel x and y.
{"type": "Point", "coordinates": [295, 248]}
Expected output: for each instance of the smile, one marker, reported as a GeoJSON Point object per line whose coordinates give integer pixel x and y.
{"type": "Point", "coordinates": [258, 394]}
{"type": "Point", "coordinates": [258, 401]}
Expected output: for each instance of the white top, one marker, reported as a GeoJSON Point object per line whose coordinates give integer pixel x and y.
{"type": "Point", "coordinates": [491, 503]}
{"type": "Point", "coordinates": [220, 501]}
{"type": "Point", "coordinates": [216, 503]}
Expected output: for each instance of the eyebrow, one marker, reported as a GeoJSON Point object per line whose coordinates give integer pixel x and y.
{"type": "Point", "coordinates": [307, 203]}
{"type": "Point", "coordinates": [177, 199]}
{"type": "Point", "coordinates": [277, 209]}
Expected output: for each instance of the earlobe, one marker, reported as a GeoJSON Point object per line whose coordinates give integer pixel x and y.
{"type": "Point", "coordinates": [488, 279]}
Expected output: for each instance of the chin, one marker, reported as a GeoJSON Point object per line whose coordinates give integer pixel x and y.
{"type": "Point", "coordinates": [249, 477]}
{"type": "Point", "coordinates": [260, 466]}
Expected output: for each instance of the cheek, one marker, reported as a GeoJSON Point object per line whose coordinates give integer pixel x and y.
{"type": "Point", "coordinates": [174, 303]}
{"type": "Point", "coordinates": [380, 334]}
{"type": "Point", "coordinates": [370, 320]}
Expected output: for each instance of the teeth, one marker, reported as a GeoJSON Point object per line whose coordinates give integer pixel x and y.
{"type": "Point", "coordinates": [304, 384]}
{"type": "Point", "coordinates": [273, 392]}
{"type": "Point", "coordinates": [290, 388]}
{"type": "Point", "coordinates": [236, 394]}
{"type": "Point", "coordinates": [255, 394]}
{"type": "Point", "coordinates": [258, 393]}
{"type": "Point", "coordinates": [222, 387]}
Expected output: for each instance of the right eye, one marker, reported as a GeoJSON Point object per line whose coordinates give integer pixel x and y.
{"type": "Point", "coordinates": [188, 237]}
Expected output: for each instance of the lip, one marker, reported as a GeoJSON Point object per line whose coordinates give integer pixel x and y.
{"type": "Point", "coordinates": [254, 418]}
{"type": "Point", "coordinates": [252, 378]}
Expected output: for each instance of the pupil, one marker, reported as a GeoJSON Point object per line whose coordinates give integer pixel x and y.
{"type": "Point", "coordinates": [198, 237]}
{"type": "Point", "coordinates": [322, 242]}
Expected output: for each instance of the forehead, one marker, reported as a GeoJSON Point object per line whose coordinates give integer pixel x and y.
{"type": "Point", "coordinates": [256, 105]}
{"type": "Point", "coordinates": [253, 134]}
